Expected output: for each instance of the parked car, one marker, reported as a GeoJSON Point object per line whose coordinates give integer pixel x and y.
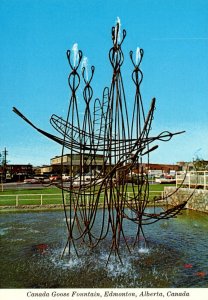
{"type": "Point", "coordinates": [42, 179]}
{"type": "Point", "coordinates": [65, 177]}
{"type": "Point", "coordinates": [54, 178]}
{"type": "Point", "coordinates": [165, 179]}
{"type": "Point", "coordinates": [31, 180]}
{"type": "Point", "coordinates": [45, 180]}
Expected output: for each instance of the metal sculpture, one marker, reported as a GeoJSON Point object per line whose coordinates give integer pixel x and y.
{"type": "Point", "coordinates": [107, 132]}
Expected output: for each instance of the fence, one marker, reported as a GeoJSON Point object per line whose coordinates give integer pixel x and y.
{"type": "Point", "coordinates": [193, 179]}
{"type": "Point", "coordinates": [49, 199]}
{"type": "Point", "coordinates": [30, 199]}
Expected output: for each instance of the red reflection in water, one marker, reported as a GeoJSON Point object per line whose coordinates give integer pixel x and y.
{"type": "Point", "coordinates": [188, 266]}
{"type": "Point", "coordinates": [40, 248]}
{"type": "Point", "coordinates": [200, 274]}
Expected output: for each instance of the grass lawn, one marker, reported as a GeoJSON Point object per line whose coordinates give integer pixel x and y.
{"type": "Point", "coordinates": [50, 190]}
{"type": "Point", "coordinates": [32, 196]}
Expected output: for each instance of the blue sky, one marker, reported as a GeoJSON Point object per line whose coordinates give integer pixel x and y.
{"type": "Point", "coordinates": [35, 35]}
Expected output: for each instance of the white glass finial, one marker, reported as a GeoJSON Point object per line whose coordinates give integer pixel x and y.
{"type": "Point", "coordinates": [118, 20]}
{"type": "Point", "coordinates": [138, 55]}
{"type": "Point", "coordinates": [85, 65]}
{"type": "Point", "coordinates": [75, 54]}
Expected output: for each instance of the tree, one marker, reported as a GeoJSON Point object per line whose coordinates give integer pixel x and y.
{"type": "Point", "coordinates": [200, 164]}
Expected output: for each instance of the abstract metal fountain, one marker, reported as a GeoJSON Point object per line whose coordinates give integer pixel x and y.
{"type": "Point", "coordinates": [109, 132]}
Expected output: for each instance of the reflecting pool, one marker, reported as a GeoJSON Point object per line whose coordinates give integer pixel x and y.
{"type": "Point", "coordinates": [31, 245]}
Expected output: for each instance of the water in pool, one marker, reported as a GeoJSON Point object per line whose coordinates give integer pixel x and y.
{"type": "Point", "coordinates": [177, 255]}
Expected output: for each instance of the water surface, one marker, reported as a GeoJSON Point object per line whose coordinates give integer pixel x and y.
{"type": "Point", "coordinates": [177, 255]}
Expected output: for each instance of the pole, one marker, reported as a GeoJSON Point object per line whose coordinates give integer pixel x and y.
{"type": "Point", "coordinates": [2, 184]}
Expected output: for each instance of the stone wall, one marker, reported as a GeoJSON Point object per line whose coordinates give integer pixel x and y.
{"type": "Point", "coordinates": [198, 199]}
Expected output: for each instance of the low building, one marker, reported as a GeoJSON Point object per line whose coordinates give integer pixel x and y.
{"type": "Point", "coordinates": [70, 164]}
{"type": "Point", "coordinates": [16, 172]}
{"type": "Point", "coordinates": [157, 169]}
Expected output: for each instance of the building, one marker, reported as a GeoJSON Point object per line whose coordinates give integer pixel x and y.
{"type": "Point", "coordinates": [68, 161]}
{"type": "Point", "coordinates": [16, 172]}
{"type": "Point", "coordinates": [70, 164]}
{"type": "Point", "coordinates": [164, 168]}
{"type": "Point", "coordinates": [157, 169]}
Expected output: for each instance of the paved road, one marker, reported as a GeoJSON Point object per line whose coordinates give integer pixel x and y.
{"type": "Point", "coordinates": [21, 185]}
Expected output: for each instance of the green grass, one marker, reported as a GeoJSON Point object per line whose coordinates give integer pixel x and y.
{"type": "Point", "coordinates": [32, 196]}
{"type": "Point", "coordinates": [52, 190]}
{"type": "Point", "coordinates": [159, 187]}
{"type": "Point", "coordinates": [55, 190]}
{"type": "Point", "coordinates": [29, 196]}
